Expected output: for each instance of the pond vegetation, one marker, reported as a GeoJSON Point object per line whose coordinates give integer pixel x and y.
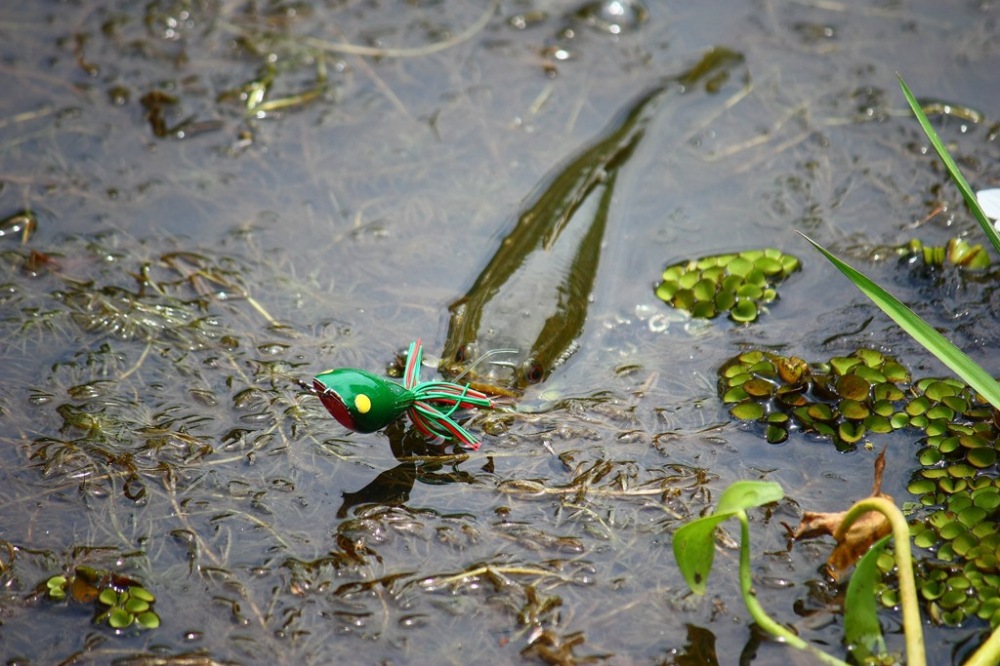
{"type": "Point", "coordinates": [202, 204]}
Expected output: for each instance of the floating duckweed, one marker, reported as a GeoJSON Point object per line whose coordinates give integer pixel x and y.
{"type": "Point", "coordinates": [895, 372]}
{"type": "Point", "coordinates": [959, 503]}
{"type": "Point", "coordinates": [921, 486]}
{"type": "Point", "coordinates": [853, 387]}
{"type": "Point", "coordinates": [842, 364]}
{"type": "Point", "coordinates": [952, 599]}
{"type": "Point", "coordinates": [775, 434]}
{"type": "Point", "coordinates": [958, 404]}
{"type": "Point", "coordinates": [736, 394]}
{"type": "Point", "coordinates": [933, 590]}
{"type": "Point", "coordinates": [57, 587]}
{"type": "Point", "coordinates": [918, 406]}
{"type": "Point", "coordinates": [952, 530]}
{"type": "Point", "coordinates": [947, 445]}
{"type": "Point", "coordinates": [889, 598]}
{"type": "Point", "coordinates": [149, 620]}
{"type": "Point", "coordinates": [986, 498]}
{"type": "Point", "coordinates": [971, 516]}
{"type": "Point", "coordinates": [744, 311]}
{"type": "Point", "coordinates": [938, 412]}
{"type": "Point", "coordinates": [962, 471]}
{"type": "Point", "coordinates": [849, 432]}
{"type": "Point", "coordinates": [735, 283]}
{"type": "Point", "coordinates": [879, 424]}
{"type": "Point", "coordinates": [108, 596]}
{"type": "Point", "coordinates": [748, 411]}
{"type": "Point", "coordinates": [853, 410]}
{"type": "Point", "coordinates": [982, 457]}
{"type": "Point", "coordinates": [121, 601]}
{"type": "Point", "coordinates": [936, 427]}
{"type": "Point", "coordinates": [899, 420]}
{"type": "Point", "coordinates": [834, 400]}
{"type": "Point", "coordinates": [758, 387]}
{"type": "Point", "coordinates": [934, 473]}
{"type": "Point", "coordinates": [926, 539]}
{"type": "Point", "coordinates": [951, 485]}
{"type": "Point", "coordinates": [119, 618]}
{"type": "Point", "coordinates": [889, 392]}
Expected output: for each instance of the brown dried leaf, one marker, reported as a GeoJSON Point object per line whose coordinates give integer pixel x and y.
{"type": "Point", "coordinates": [864, 532]}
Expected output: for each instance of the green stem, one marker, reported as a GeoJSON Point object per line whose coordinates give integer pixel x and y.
{"type": "Point", "coordinates": [762, 619]}
{"type": "Point", "coordinates": [988, 653]}
{"type": "Point", "coordinates": [912, 627]}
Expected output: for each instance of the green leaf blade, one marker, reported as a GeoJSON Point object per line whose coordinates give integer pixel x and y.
{"type": "Point", "coordinates": [953, 357]}
{"type": "Point", "coordinates": [953, 171]}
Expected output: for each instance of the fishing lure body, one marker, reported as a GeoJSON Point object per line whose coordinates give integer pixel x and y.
{"type": "Point", "coordinates": [364, 402]}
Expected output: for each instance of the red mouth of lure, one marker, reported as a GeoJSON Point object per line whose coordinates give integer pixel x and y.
{"type": "Point", "coordinates": [334, 404]}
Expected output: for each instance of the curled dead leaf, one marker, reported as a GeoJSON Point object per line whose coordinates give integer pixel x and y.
{"type": "Point", "coordinates": [855, 542]}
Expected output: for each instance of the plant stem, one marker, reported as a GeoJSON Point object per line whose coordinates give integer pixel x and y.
{"type": "Point", "coordinates": [988, 653]}
{"type": "Point", "coordinates": [912, 627]}
{"type": "Point", "coordinates": [762, 619]}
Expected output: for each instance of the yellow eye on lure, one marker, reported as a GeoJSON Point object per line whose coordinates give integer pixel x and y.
{"type": "Point", "coordinates": [364, 402]}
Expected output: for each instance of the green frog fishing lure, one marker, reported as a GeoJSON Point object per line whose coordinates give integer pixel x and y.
{"type": "Point", "coordinates": [364, 402]}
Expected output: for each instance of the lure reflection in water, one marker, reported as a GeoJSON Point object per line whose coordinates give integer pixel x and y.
{"type": "Point", "coordinates": [533, 295]}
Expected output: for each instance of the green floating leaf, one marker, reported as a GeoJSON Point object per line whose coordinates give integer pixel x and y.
{"type": "Point", "coordinates": [108, 597]}
{"type": "Point", "coordinates": [57, 587]}
{"type": "Point", "coordinates": [119, 618]}
{"type": "Point", "coordinates": [148, 620]}
{"type": "Point", "coordinates": [134, 605]}
{"type": "Point", "coordinates": [694, 543]}
{"type": "Point", "coordinates": [862, 631]}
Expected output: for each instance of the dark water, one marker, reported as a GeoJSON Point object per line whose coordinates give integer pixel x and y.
{"type": "Point", "coordinates": [194, 256]}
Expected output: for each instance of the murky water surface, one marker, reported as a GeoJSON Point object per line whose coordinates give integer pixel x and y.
{"type": "Point", "coordinates": [228, 196]}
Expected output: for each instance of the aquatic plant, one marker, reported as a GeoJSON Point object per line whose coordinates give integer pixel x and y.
{"type": "Point", "coordinates": [739, 284]}
{"type": "Point", "coordinates": [957, 360]}
{"type": "Point", "coordinates": [119, 600]}
{"type": "Point", "coordinates": [848, 398]}
{"type": "Point", "coordinates": [694, 548]}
